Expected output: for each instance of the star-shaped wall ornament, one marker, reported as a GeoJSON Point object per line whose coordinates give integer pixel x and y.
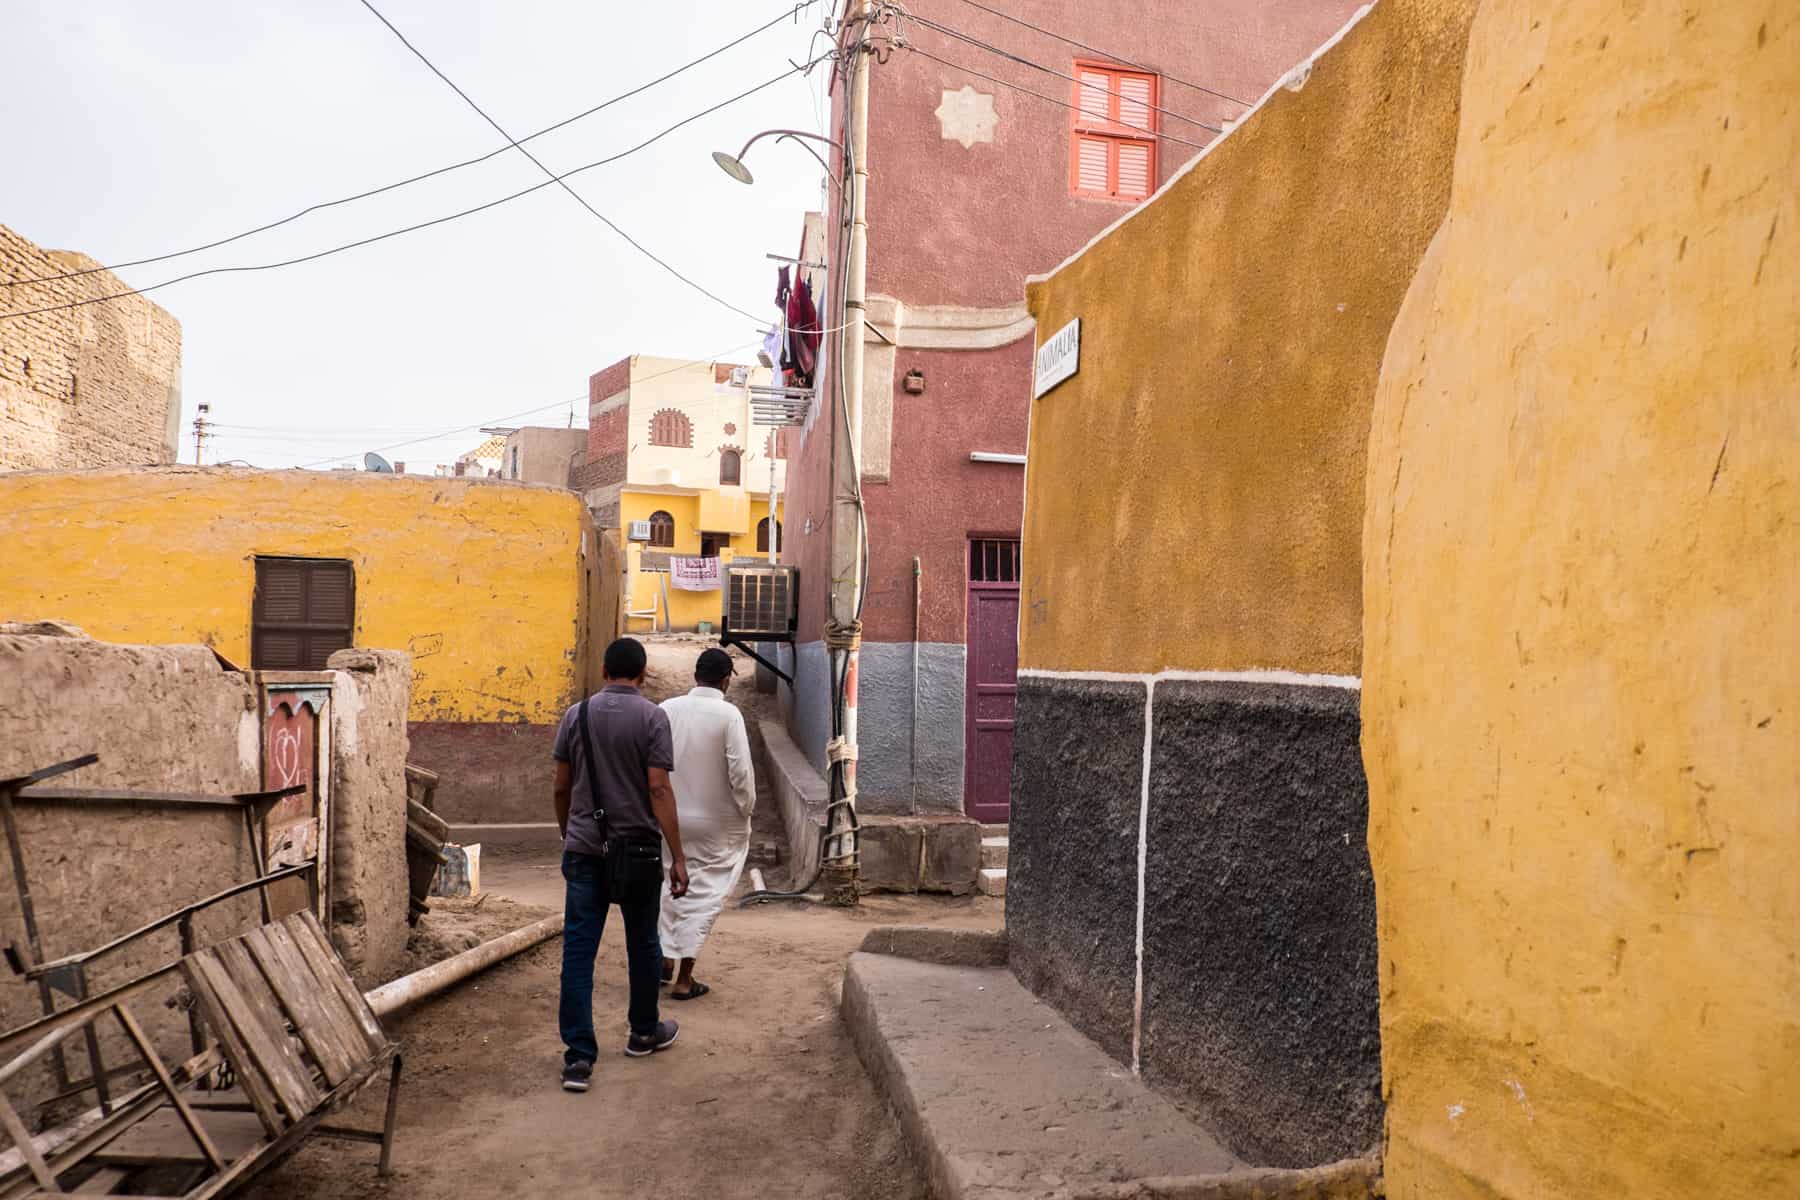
{"type": "Point", "coordinates": [967, 116]}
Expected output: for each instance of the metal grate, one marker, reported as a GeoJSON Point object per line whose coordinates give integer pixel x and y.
{"type": "Point", "coordinates": [759, 602]}
{"type": "Point", "coordinates": [994, 560]}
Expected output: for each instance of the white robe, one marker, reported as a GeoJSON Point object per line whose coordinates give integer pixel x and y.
{"type": "Point", "coordinates": [715, 791]}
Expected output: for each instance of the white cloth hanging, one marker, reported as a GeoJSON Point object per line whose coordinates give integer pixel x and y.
{"type": "Point", "coordinates": [715, 793]}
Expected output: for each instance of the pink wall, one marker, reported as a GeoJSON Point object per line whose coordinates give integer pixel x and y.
{"type": "Point", "coordinates": [949, 225]}
{"type": "Point", "coordinates": [973, 400]}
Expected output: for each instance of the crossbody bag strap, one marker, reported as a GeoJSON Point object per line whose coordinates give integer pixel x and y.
{"type": "Point", "coordinates": [587, 745]}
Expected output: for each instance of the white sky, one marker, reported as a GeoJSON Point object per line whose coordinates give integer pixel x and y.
{"type": "Point", "coordinates": [137, 128]}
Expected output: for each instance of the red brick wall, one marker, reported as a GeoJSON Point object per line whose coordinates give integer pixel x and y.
{"type": "Point", "coordinates": [607, 435]}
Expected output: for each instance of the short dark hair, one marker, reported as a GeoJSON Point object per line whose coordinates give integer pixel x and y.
{"type": "Point", "coordinates": [625, 659]}
{"type": "Point", "coordinates": [714, 666]}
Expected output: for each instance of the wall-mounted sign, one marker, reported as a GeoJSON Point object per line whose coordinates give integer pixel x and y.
{"type": "Point", "coordinates": [1058, 358]}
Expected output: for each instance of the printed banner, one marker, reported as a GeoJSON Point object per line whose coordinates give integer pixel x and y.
{"type": "Point", "coordinates": [694, 574]}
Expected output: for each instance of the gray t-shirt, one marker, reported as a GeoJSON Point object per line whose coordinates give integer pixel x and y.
{"type": "Point", "coordinates": [631, 735]}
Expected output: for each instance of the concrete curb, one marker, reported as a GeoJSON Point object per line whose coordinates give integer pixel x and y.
{"type": "Point", "coordinates": [929, 943]}
{"type": "Point", "coordinates": [953, 1175]}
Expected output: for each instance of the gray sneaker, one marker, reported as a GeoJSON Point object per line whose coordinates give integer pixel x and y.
{"type": "Point", "coordinates": [661, 1038]}
{"type": "Point", "coordinates": [575, 1075]}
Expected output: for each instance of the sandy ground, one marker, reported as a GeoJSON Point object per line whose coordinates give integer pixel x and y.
{"type": "Point", "coordinates": [763, 1096]}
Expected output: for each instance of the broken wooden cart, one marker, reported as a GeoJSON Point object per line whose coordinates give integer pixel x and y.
{"type": "Point", "coordinates": [289, 1040]}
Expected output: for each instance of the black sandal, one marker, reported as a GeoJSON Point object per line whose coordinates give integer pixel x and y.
{"type": "Point", "coordinates": [699, 990]}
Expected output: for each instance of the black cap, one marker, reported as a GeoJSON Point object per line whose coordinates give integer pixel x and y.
{"type": "Point", "coordinates": [714, 663]}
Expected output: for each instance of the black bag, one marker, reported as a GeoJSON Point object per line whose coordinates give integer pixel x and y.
{"type": "Point", "coordinates": [634, 870]}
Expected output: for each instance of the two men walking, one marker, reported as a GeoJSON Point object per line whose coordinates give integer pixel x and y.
{"type": "Point", "coordinates": [620, 799]}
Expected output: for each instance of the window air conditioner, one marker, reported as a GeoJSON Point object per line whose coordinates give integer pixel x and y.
{"type": "Point", "coordinates": [762, 604]}
{"type": "Point", "coordinates": [640, 531]}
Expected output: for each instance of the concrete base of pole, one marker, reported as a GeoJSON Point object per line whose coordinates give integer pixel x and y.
{"type": "Point", "coordinates": [409, 989]}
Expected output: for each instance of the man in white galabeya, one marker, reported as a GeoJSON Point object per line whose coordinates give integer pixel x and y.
{"type": "Point", "coordinates": [715, 791]}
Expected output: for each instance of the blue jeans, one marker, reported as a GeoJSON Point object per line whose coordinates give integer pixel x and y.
{"type": "Point", "coordinates": [584, 919]}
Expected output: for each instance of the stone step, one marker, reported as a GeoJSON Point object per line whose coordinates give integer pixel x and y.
{"type": "Point", "coordinates": [994, 830]}
{"type": "Point", "coordinates": [993, 852]}
{"type": "Point", "coordinates": [992, 881]}
{"type": "Point", "coordinates": [999, 1098]}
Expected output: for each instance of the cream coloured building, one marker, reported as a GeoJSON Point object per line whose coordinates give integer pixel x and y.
{"type": "Point", "coordinates": [676, 467]}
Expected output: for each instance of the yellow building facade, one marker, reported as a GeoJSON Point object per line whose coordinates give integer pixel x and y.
{"type": "Point", "coordinates": [504, 594]}
{"type": "Point", "coordinates": [679, 468]}
{"type": "Point", "coordinates": [1582, 621]}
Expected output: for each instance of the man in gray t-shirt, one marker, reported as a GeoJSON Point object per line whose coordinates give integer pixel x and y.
{"type": "Point", "coordinates": [614, 807]}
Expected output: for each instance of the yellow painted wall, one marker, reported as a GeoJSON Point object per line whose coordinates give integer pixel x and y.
{"type": "Point", "coordinates": [487, 584]}
{"type": "Point", "coordinates": [1195, 493]}
{"type": "Point", "coordinates": [1581, 706]}
{"type": "Point", "coordinates": [685, 609]}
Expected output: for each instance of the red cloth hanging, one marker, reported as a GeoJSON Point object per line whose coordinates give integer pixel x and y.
{"type": "Point", "coordinates": [803, 332]}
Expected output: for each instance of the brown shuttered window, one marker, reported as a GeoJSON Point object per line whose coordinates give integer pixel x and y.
{"type": "Point", "coordinates": [305, 608]}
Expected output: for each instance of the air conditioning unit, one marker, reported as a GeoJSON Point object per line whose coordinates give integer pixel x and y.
{"type": "Point", "coordinates": [762, 604]}
{"type": "Point", "coordinates": [740, 376]}
{"type": "Point", "coordinates": [640, 531]}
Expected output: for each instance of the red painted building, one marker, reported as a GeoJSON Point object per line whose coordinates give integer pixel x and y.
{"type": "Point", "coordinates": [983, 170]}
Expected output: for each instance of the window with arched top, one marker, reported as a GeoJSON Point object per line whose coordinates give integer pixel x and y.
{"type": "Point", "coordinates": [662, 529]}
{"type": "Point", "coordinates": [762, 535]}
{"type": "Point", "coordinates": [731, 468]}
{"type": "Point", "coordinates": [671, 427]}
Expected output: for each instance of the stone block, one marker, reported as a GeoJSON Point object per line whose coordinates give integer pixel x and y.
{"type": "Point", "coordinates": [952, 856]}
{"type": "Point", "coordinates": [891, 850]}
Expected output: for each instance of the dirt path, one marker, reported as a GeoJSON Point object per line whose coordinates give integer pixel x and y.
{"type": "Point", "coordinates": [762, 1097]}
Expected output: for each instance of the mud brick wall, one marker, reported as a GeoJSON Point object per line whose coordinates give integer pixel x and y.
{"type": "Point", "coordinates": [94, 386]}
{"type": "Point", "coordinates": [173, 718]}
{"type": "Point", "coordinates": [166, 718]}
{"type": "Point", "coordinates": [368, 868]}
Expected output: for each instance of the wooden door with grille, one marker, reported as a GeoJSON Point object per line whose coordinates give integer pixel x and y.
{"type": "Point", "coordinates": [992, 678]}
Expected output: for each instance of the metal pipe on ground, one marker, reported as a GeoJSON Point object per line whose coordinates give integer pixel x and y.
{"type": "Point", "coordinates": [409, 989]}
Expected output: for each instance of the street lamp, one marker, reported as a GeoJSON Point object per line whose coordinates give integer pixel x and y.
{"type": "Point", "coordinates": [733, 164]}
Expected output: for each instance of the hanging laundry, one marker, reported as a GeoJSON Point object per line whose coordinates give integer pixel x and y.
{"type": "Point", "coordinates": [784, 362]}
{"type": "Point", "coordinates": [803, 331]}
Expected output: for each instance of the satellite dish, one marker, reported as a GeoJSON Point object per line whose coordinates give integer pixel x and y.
{"type": "Point", "coordinates": [374, 462]}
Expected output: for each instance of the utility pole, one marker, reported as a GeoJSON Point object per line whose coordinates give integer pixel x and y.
{"type": "Point", "coordinates": [843, 634]}
{"type": "Point", "coordinates": [201, 424]}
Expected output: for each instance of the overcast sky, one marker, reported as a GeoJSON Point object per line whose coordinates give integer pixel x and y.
{"type": "Point", "coordinates": [139, 128]}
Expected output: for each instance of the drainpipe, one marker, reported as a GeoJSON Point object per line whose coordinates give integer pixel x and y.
{"type": "Point", "coordinates": [918, 596]}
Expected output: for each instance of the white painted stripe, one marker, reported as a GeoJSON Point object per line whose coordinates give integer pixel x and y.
{"type": "Point", "coordinates": [1271, 675]}
{"type": "Point", "coordinates": [1137, 1004]}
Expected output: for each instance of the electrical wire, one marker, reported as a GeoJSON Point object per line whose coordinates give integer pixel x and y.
{"type": "Point", "coordinates": [558, 180]}
{"type": "Point", "coordinates": [381, 237]}
{"type": "Point", "coordinates": [955, 66]}
{"type": "Point", "coordinates": [947, 31]}
{"type": "Point", "coordinates": [1106, 54]}
{"type": "Point", "coordinates": [786, 13]}
{"type": "Point", "coordinates": [681, 366]}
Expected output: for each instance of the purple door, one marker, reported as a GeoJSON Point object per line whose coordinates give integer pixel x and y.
{"type": "Point", "coordinates": [993, 670]}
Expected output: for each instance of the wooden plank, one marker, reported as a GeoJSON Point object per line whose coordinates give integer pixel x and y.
{"type": "Point", "coordinates": [161, 1139]}
{"type": "Point", "coordinates": [136, 1033]}
{"type": "Point", "coordinates": [340, 979]}
{"type": "Point", "coordinates": [15, 1129]}
{"type": "Point", "coordinates": [298, 994]}
{"type": "Point", "coordinates": [102, 1182]}
{"type": "Point", "coordinates": [244, 1168]}
{"type": "Point", "coordinates": [40, 795]}
{"type": "Point", "coordinates": [249, 1076]}
{"type": "Point", "coordinates": [346, 1030]}
{"type": "Point", "coordinates": [259, 1022]}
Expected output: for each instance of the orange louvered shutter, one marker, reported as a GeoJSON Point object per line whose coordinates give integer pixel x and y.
{"type": "Point", "coordinates": [1113, 146]}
